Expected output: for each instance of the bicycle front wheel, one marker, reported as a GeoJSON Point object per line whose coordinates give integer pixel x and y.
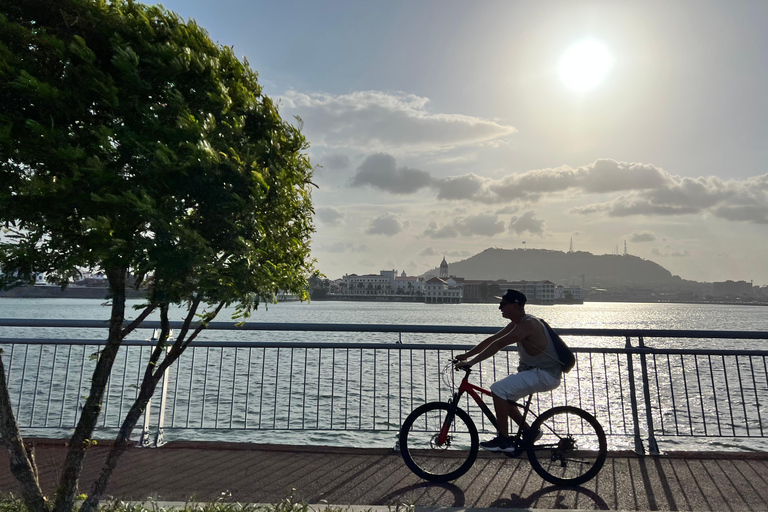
{"type": "Point", "coordinates": [572, 448]}
{"type": "Point", "coordinates": [431, 457]}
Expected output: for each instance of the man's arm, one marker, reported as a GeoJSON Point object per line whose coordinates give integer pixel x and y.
{"type": "Point", "coordinates": [487, 341]}
{"type": "Point", "coordinates": [487, 348]}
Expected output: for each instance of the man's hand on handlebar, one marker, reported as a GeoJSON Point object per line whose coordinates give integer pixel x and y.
{"type": "Point", "coordinates": [460, 364]}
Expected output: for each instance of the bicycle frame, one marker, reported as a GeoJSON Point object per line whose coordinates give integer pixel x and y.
{"type": "Point", "coordinates": [475, 392]}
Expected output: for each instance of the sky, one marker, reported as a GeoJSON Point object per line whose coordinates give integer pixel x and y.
{"type": "Point", "coordinates": [442, 128]}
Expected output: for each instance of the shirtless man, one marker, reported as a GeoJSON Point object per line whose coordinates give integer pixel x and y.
{"type": "Point", "coordinates": [539, 368]}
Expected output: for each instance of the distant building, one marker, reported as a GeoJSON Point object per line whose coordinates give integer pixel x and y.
{"type": "Point", "coordinates": [574, 293]}
{"type": "Point", "coordinates": [732, 289]}
{"type": "Point", "coordinates": [385, 283]}
{"type": "Point", "coordinates": [443, 291]}
{"type": "Point", "coordinates": [408, 285]}
{"type": "Point", "coordinates": [443, 269]}
{"type": "Point", "coordinates": [538, 292]}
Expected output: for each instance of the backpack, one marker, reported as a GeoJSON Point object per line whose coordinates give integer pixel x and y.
{"type": "Point", "coordinates": [564, 354]}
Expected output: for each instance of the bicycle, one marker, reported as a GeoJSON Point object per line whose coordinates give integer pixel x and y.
{"type": "Point", "coordinates": [439, 441]}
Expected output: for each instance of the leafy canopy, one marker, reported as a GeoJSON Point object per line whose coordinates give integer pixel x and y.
{"type": "Point", "coordinates": [129, 140]}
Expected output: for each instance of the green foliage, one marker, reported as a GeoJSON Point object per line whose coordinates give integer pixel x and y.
{"type": "Point", "coordinates": [319, 286]}
{"type": "Point", "coordinates": [129, 140]}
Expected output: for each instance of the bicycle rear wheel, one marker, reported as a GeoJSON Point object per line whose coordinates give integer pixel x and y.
{"type": "Point", "coordinates": [572, 448]}
{"type": "Point", "coordinates": [422, 450]}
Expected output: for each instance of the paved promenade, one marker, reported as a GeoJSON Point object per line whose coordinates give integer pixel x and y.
{"type": "Point", "coordinates": [343, 476]}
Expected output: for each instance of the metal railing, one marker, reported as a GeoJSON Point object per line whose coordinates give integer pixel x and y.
{"type": "Point", "coordinates": [640, 394]}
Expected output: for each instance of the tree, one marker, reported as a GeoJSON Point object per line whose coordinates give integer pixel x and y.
{"type": "Point", "coordinates": [319, 286]}
{"type": "Point", "coordinates": [131, 143]}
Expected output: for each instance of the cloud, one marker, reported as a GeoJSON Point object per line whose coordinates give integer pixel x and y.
{"type": "Point", "coordinates": [481, 225]}
{"type": "Point", "coordinates": [459, 187]}
{"type": "Point", "coordinates": [369, 121]}
{"type": "Point", "coordinates": [670, 253]}
{"type": "Point", "coordinates": [602, 176]}
{"type": "Point", "coordinates": [381, 171]}
{"type": "Point", "coordinates": [388, 224]}
{"type": "Point", "coordinates": [527, 222]}
{"type": "Point", "coordinates": [732, 200]}
{"type": "Point", "coordinates": [429, 251]}
{"type": "Point", "coordinates": [642, 236]}
{"type": "Point", "coordinates": [757, 214]}
{"type": "Point", "coordinates": [335, 161]}
{"type": "Point", "coordinates": [330, 215]}
{"type": "Point", "coordinates": [645, 190]}
{"type": "Point", "coordinates": [435, 231]}
{"type": "Point", "coordinates": [472, 225]}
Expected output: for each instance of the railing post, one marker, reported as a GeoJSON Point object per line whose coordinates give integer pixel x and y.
{"type": "Point", "coordinates": [159, 441]}
{"type": "Point", "coordinates": [639, 448]}
{"type": "Point", "coordinates": [652, 445]}
{"type": "Point", "coordinates": [144, 439]}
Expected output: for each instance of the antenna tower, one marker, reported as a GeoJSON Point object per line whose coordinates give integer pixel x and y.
{"type": "Point", "coordinates": [570, 249]}
{"type": "Point", "coordinates": [625, 247]}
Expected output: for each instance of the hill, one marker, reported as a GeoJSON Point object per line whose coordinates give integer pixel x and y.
{"type": "Point", "coordinates": [603, 271]}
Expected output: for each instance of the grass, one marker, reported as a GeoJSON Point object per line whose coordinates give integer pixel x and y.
{"type": "Point", "coordinates": [11, 503]}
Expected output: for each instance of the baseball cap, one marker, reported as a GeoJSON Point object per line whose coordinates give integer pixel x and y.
{"type": "Point", "coordinates": [513, 296]}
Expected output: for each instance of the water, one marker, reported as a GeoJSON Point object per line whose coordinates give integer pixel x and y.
{"type": "Point", "coordinates": [597, 315]}
{"type": "Point", "coordinates": [589, 315]}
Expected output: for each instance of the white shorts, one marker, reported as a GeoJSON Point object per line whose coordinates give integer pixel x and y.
{"type": "Point", "coordinates": [521, 384]}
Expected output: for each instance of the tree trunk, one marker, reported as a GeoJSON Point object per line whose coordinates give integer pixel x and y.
{"type": "Point", "coordinates": [81, 438]}
{"type": "Point", "coordinates": [22, 465]}
{"type": "Point", "coordinates": [148, 386]}
{"type": "Point", "coordinates": [122, 442]}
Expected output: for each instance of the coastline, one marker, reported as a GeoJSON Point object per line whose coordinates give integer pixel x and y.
{"type": "Point", "coordinates": [93, 292]}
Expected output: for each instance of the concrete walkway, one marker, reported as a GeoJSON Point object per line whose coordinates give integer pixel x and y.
{"type": "Point", "coordinates": [345, 476]}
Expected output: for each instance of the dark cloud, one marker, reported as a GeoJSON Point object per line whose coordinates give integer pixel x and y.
{"type": "Point", "coordinates": [381, 171]}
{"type": "Point", "coordinates": [480, 225]}
{"type": "Point", "coordinates": [642, 236]}
{"type": "Point", "coordinates": [472, 225]}
{"type": "Point", "coordinates": [434, 231]}
{"type": "Point", "coordinates": [527, 222]}
{"type": "Point", "coordinates": [459, 187]}
{"type": "Point", "coordinates": [757, 214]}
{"type": "Point", "coordinates": [388, 224]}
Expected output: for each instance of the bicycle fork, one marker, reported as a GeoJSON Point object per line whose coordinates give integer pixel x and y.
{"type": "Point", "coordinates": [453, 404]}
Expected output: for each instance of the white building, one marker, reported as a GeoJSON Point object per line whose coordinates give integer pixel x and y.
{"type": "Point", "coordinates": [569, 293]}
{"type": "Point", "coordinates": [443, 291]}
{"type": "Point", "coordinates": [408, 285]}
{"type": "Point", "coordinates": [386, 283]}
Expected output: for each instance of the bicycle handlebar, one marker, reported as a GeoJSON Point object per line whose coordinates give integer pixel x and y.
{"type": "Point", "coordinates": [467, 369]}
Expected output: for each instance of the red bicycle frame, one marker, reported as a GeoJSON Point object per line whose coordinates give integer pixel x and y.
{"type": "Point", "coordinates": [474, 391]}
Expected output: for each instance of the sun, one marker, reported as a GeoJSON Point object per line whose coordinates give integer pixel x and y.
{"type": "Point", "coordinates": [585, 65]}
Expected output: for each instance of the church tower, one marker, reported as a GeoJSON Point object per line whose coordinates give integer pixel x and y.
{"type": "Point", "coordinates": [444, 269]}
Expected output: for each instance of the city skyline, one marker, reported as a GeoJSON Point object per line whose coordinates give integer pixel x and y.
{"type": "Point", "coordinates": [442, 128]}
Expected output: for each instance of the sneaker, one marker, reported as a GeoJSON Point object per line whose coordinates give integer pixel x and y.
{"type": "Point", "coordinates": [531, 436]}
{"type": "Point", "coordinates": [498, 444]}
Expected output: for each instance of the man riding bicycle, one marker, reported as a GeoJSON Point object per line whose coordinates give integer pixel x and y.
{"type": "Point", "coordinates": [539, 369]}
